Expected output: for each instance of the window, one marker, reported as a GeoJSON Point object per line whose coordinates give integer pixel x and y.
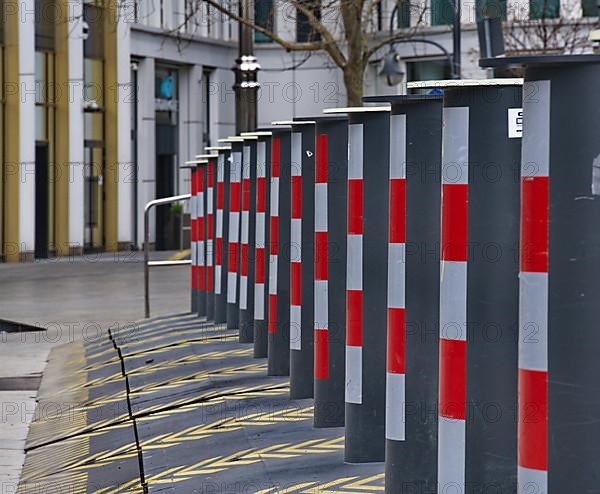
{"type": "Point", "coordinates": [403, 14]}
{"type": "Point", "coordinates": [263, 17]}
{"type": "Point", "coordinates": [589, 8]}
{"type": "Point", "coordinates": [544, 9]}
{"type": "Point", "coordinates": [304, 31]}
{"type": "Point", "coordinates": [490, 8]}
{"type": "Point", "coordinates": [427, 70]}
{"type": "Point", "coordinates": [442, 12]}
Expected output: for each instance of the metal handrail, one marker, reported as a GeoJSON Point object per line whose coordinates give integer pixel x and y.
{"type": "Point", "coordinates": [147, 263]}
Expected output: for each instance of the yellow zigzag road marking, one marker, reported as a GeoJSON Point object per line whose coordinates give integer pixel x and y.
{"type": "Point", "coordinates": [346, 485]}
{"type": "Point", "coordinates": [248, 457]}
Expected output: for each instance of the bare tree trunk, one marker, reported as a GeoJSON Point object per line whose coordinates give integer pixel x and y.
{"type": "Point", "coordinates": [355, 66]}
{"type": "Point", "coordinates": [353, 81]}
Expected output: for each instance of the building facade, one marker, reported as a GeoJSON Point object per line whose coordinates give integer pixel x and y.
{"type": "Point", "coordinates": [103, 99]}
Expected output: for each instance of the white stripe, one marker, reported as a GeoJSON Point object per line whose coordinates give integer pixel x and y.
{"type": "Point", "coordinates": [398, 146]}
{"type": "Point", "coordinates": [354, 265]}
{"type": "Point", "coordinates": [320, 207]}
{"type": "Point", "coordinates": [245, 226]}
{"type": "Point", "coordinates": [295, 327]}
{"type": "Point", "coordinates": [531, 481]}
{"type": "Point", "coordinates": [243, 292]}
{"type": "Point", "coordinates": [260, 230]}
{"type": "Point", "coordinates": [209, 200]}
{"type": "Point", "coordinates": [193, 208]}
{"type": "Point", "coordinates": [453, 300]}
{"type": "Point", "coordinates": [259, 301]}
{"type": "Point", "coordinates": [200, 205]}
{"type": "Point", "coordinates": [200, 254]}
{"type": "Point", "coordinates": [218, 270]}
{"type": "Point", "coordinates": [353, 374]}
{"type": "Point", "coordinates": [455, 148]}
{"type": "Point", "coordinates": [221, 168]}
{"type": "Point", "coordinates": [395, 420]}
{"type": "Point", "coordinates": [246, 158]}
{"type": "Point", "coordinates": [235, 170]}
{"type": "Point", "coordinates": [209, 252]}
{"type": "Point", "coordinates": [355, 151]}
{"type": "Point", "coordinates": [234, 227]}
{"type": "Point", "coordinates": [296, 169]}
{"type": "Point", "coordinates": [321, 304]}
{"type": "Point", "coordinates": [261, 153]}
{"type": "Point", "coordinates": [231, 288]}
{"type": "Point", "coordinates": [296, 240]}
{"type": "Point", "coordinates": [272, 274]}
{"type": "Point", "coordinates": [219, 232]}
{"type": "Point", "coordinates": [396, 276]}
{"type": "Point", "coordinates": [535, 147]}
{"type": "Point", "coordinates": [275, 196]}
{"type": "Point", "coordinates": [533, 321]}
{"type": "Point", "coordinates": [451, 455]}
{"type": "Point", "coordinates": [194, 255]}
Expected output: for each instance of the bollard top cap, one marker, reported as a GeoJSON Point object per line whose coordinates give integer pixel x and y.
{"type": "Point", "coordinates": [537, 60]}
{"type": "Point", "coordinates": [232, 139]}
{"type": "Point", "coordinates": [402, 98]}
{"type": "Point", "coordinates": [206, 156]}
{"type": "Point", "coordinates": [193, 163]}
{"type": "Point", "coordinates": [356, 109]}
{"type": "Point", "coordinates": [293, 122]}
{"type": "Point", "coordinates": [257, 133]}
{"type": "Point", "coordinates": [452, 83]}
{"type": "Point", "coordinates": [319, 118]}
{"type": "Point", "coordinates": [217, 148]}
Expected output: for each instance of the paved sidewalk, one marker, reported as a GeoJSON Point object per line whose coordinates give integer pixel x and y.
{"type": "Point", "coordinates": [71, 298]}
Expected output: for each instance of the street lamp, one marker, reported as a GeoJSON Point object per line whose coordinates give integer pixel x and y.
{"type": "Point", "coordinates": [392, 61]}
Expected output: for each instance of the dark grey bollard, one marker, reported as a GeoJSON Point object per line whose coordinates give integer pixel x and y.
{"type": "Point", "coordinates": [479, 285]}
{"type": "Point", "coordinates": [559, 369]}
{"type": "Point", "coordinates": [279, 259]}
{"type": "Point", "coordinates": [413, 292]}
{"type": "Point", "coordinates": [247, 238]}
{"type": "Point", "coordinates": [366, 286]}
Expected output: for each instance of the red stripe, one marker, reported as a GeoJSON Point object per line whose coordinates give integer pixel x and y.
{"type": "Point", "coordinates": [274, 235]}
{"type": "Point", "coordinates": [200, 181]}
{"type": "Point", "coordinates": [296, 283]}
{"type": "Point", "coordinates": [235, 197]}
{"type": "Point", "coordinates": [321, 354]}
{"type": "Point", "coordinates": [261, 194]}
{"type": "Point", "coordinates": [220, 195]}
{"type": "Point", "coordinates": [534, 224]}
{"type": "Point", "coordinates": [454, 222]}
{"type": "Point", "coordinates": [354, 317]}
{"type": "Point", "coordinates": [210, 281]}
{"type": "Point", "coordinates": [244, 261]}
{"type": "Point", "coordinates": [211, 174]}
{"type": "Point", "coordinates": [246, 194]}
{"type": "Point", "coordinates": [296, 196]}
{"type": "Point", "coordinates": [397, 211]}
{"type": "Point", "coordinates": [275, 156]}
{"type": "Point", "coordinates": [218, 251]}
{"type": "Point", "coordinates": [201, 278]}
{"type": "Point", "coordinates": [453, 370]}
{"type": "Point", "coordinates": [260, 265]}
{"type": "Point", "coordinates": [321, 160]}
{"type": "Point", "coordinates": [233, 257]}
{"type": "Point", "coordinates": [321, 264]}
{"type": "Point", "coordinates": [200, 228]}
{"type": "Point", "coordinates": [533, 419]}
{"type": "Point", "coordinates": [192, 230]}
{"type": "Point", "coordinates": [355, 206]}
{"type": "Point", "coordinates": [210, 227]}
{"type": "Point", "coordinates": [272, 324]}
{"type": "Point", "coordinates": [396, 341]}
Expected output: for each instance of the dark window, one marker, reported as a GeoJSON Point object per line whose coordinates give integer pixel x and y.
{"type": "Point", "coordinates": [304, 31]}
{"type": "Point", "coordinates": [491, 8]}
{"type": "Point", "coordinates": [47, 14]}
{"type": "Point", "coordinates": [544, 9]}
{"type": "Point", "coordinates": [403, 14]}
{"type": "Point", "coordinates": [427, 70]}
{"type": "Point", "coordinates": [93, 46]}
{"type": "Point", "coordinates": [589, 8]}
{"type": "Point", "coordinates": [263, 17]}
{"type": "Point", "coordinates": [442, 12]}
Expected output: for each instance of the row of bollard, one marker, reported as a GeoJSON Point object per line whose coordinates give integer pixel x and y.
{"type": "Point", "coordinates": [428, 271]}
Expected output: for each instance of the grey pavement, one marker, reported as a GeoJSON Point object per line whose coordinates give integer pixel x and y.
{"type": "Point", "coordinates": [71, 298]}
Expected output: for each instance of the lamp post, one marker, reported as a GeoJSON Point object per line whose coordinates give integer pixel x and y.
{"type": "Point", "coordinates": [391, 61]}
{"type": "Point", "coordinates": [246, 68]}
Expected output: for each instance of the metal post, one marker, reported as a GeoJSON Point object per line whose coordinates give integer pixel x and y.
{"type": "Point", "coordinates": [279, 265]}
{"type": "Point", "coordinates": [456, 38]}
{"type": "Point", "coordinates": [366, 286]}
{"type": "Point", "coordinates": [261, 255]}
{"type": "Point", "coordinates": [559, 404]}
{"type": "Point", "coordinates": [413, 292]}
{"type": "Point", "coordinates": [247, 238]}
{"type": "Point", "coordinates": [331, 172]}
